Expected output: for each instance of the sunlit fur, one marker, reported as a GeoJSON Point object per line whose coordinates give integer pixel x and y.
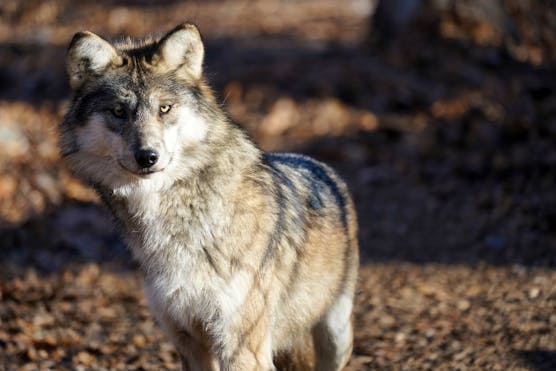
{"type": "Point", "coordinates": [249, 258]}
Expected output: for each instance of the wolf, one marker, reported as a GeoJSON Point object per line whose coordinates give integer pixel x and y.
{"type": "Point", "coordinates": [249, 259]}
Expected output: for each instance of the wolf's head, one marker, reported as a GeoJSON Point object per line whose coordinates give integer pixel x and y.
{"type": "Point", "coordinates": [142, 113]}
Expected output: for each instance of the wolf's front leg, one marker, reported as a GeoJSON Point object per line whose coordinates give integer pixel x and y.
{"type": "Point", "coordinates": [192, 346]}
{"type": "Point", "coordinates": [248, 347]}
{"type": "Point", "coordinates": [246, 358]}
{"type": "Point", "coordinates": [198, 362]}
{"type": "Point", "coordinates": [195, 356]}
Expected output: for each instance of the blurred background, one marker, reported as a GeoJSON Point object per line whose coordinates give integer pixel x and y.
{"type": "Point", "coordinates": [441, 115]}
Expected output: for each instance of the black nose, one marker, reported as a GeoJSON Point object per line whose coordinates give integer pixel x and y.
{"type": "Point", "coordinates": [146, 157]}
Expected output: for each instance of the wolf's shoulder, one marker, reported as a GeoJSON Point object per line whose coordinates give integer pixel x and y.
{"type": "Point", "coordinates": [302, 174]}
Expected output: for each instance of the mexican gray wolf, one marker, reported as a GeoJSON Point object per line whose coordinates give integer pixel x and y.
{"type": "Point", "coordinates": [249, 258]}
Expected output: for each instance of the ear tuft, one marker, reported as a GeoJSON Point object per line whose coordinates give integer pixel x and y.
{"type": "Point", "coordinates": [89, 55]}
{"type": "Point", "coordinates": [182, 48]}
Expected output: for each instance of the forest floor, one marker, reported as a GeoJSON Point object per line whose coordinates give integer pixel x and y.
{"type": "Point", "coordinates": [446, 137]}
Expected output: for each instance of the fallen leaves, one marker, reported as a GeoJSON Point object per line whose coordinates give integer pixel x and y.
{"type": "Point", "coordinates": [86, 319]}
{"type": "Point", "coordinates": [461, 328]}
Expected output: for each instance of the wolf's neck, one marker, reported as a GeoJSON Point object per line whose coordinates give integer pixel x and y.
{"type": "Point", "coordinates": [180, 221]}
{"type": "Point", "coordinates": [226, 166]}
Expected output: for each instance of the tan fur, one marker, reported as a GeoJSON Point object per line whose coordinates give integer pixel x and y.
{"type": "Point", "coordinates": [249, 259]}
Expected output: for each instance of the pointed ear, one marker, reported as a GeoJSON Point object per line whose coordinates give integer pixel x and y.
{"type": "Point", "coordinates": [182, 49]}
{"type": "Point", "coordinates": [89, 55]}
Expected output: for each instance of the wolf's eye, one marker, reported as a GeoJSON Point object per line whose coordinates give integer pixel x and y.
{"type": "Point", "coordinates": [118, 111]}
{"type": "Point", "coordinates": [165, 108]}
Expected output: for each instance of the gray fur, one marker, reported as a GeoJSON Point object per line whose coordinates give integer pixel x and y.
{"type": "Point", "coordinates": [243, 253]}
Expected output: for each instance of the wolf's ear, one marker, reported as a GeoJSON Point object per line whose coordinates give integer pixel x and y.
{"type": "Point", "coordinates": [89, 55]}
{"type": "Point", "coordinates": [182, 49]}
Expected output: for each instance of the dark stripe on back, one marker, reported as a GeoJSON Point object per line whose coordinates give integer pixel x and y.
{"type": "Point", "coordinates": [303, 162]}
{"type": "Point", "coordinates": [279, 227]}
{"type": "Point", "coordinates": [284, 180]}
{"type": "Point", "coordinates": [292, 200]}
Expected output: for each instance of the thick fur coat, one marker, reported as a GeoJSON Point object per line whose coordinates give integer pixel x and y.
{"type": "Point", "coordinates": [249, 258]}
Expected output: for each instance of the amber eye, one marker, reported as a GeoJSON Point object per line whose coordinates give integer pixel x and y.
{"type": "Point", "coordinates": [165, 108]}
{"type": "Point", "coordinates": [118, 111]}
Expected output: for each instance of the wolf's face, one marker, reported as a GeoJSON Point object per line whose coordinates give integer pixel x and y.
{"type": "Point", "coordinates": [141, 112]}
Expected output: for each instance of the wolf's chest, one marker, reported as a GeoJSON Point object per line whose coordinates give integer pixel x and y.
{"type": "Point", "coordinates": [182, 243]}
{"type": "Point", "coordinates": [189, 295]}
{"type": "Point", "coordinates": [161, 228]}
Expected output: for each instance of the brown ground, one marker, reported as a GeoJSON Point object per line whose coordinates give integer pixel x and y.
{"type": "Point", "coordinates": [446, 136]}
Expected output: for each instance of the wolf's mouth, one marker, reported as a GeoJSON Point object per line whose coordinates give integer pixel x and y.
{"type": "Point", "coordinates": [140, 172]}
{"type": "Point", "coordinates": [144, 173]}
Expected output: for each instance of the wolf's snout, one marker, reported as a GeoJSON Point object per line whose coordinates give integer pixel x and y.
{"type": "Point", "coordinates": [146, 157]}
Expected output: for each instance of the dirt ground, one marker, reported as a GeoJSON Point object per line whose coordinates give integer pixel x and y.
{"type": "Point", "coordinates": [444, 130]}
